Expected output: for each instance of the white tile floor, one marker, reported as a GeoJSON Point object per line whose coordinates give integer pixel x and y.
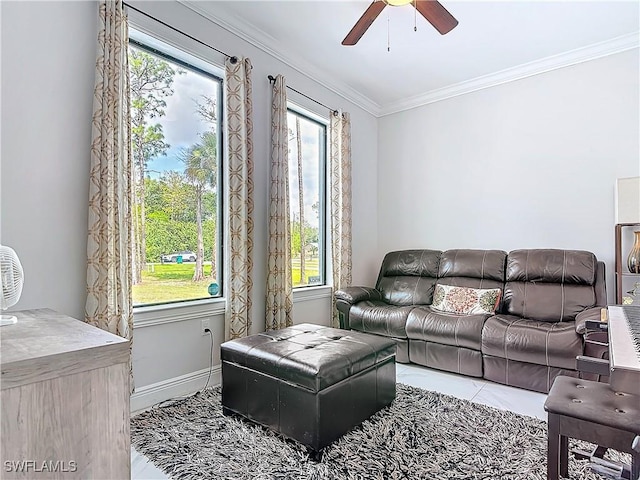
{"type": "Point", "coordinates": [474, 389]}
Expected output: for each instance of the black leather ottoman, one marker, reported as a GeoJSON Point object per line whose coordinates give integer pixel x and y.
{"type": "Point", "coordinates": [310, 383]}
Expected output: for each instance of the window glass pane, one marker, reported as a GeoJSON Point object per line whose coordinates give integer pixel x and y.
{"type": "Point", "coordinates": [175, 126]}
{"type": "Point", "coordinates": [307, 147]}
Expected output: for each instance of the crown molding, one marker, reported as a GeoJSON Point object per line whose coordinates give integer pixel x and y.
{"type": "Point", "coordinates": [273, 47]}
{"type": "Point", "coordinates": [554, 62]}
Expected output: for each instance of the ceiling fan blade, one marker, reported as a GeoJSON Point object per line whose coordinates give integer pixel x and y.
{"type": "Point", "coordinates": [361, 26]}
{"type": "Point", "coordinates": [436, 14]}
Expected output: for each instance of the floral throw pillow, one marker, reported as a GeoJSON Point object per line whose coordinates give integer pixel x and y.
{"type": "Point", "coordinates": [465, 301]}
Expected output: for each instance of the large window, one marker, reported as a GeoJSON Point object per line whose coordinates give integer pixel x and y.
{"type": "Point", "coordinates": [307, 160]}
{"type": "Point", "coordinates": [175, 136]}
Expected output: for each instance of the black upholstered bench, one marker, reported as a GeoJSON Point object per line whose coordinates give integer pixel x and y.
{"type": "Point", "coordinates": [310, 383]}
{"type": "Point", "coordinates": [593, 412]}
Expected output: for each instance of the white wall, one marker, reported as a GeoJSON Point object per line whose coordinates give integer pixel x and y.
{"type": "Point", "coordinates": [527, 164]}
{"type": "Point", "coordinates": [48, 58]}
{"type": "Point", "coordinates": [48, 61]}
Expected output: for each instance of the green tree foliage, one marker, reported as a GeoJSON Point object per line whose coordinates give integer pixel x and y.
{"type": "Point", "coordinates": [310, 236]}
{"type": "Point", "coordinates": [178, 197]}
{"type": "Point", "coordinates": [171, 219]}
{"type": "Point", "coordinates": [151, 79]}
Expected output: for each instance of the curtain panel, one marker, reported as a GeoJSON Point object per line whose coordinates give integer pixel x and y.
{"type": "Point", "coordinates": [279, 301]}
{"type": "Point", "coordinates": [340, 187]}
{"type": "Point", "coordinates": [109, 301]}
{"type": "Point", "coordinates": [239, 141]}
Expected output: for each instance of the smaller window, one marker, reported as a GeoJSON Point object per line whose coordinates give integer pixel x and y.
{"type": "Point", "coordinates": [307, 166]}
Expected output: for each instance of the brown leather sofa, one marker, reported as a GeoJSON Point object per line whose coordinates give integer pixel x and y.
{"type": "Point", "coordinates": [534, 335]}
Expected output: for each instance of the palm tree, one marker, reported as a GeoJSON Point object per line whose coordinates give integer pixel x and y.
{"type": "Point", "coordinates": [200, 170]}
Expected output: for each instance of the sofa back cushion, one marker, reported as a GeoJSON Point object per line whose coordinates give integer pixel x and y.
{"type": "Point", "coordinates": [407, 277]}
{"type": "Point", "coordinates": [550, 285]}
{"type": "Point", "coordinates": [473, 268]}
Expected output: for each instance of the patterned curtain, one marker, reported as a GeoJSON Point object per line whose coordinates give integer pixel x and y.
{"type": "Point", "coordinates": [239, 142]}
{"type": "Point", "coordinates": [340, 165]}
{"type": "Point", "coordinates": [279, 287]}
{"type": "Point", "coordinates": [109, 303]}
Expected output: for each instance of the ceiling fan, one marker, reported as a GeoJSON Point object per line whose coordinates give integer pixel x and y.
{"type": "Point", "coordinates": [432, 10]}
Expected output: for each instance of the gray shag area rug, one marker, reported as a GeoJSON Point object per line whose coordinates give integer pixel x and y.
{"type": "Point", "coordinates": [421, 435]}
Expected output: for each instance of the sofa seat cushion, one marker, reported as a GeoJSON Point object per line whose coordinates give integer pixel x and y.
{"type": "Point", "coordinates": [377, 316]}
{"type": "Point", "coordinates": [430, 325]}
{"type": "Point", "coordinates": [543, 343]}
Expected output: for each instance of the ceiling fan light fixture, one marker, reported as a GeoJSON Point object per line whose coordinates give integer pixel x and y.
{"type": "Point", "coordinates": [397, 3]}
{"type": "Point", "coordinates": [431, 10]}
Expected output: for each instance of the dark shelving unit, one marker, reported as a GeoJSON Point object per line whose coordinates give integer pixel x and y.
{"type": "Point", "coordinates": [621, 267]}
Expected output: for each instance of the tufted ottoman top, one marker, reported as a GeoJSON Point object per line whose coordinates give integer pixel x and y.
{"type": "Point", "coordinates": [594, 402]}
{"type": "Point", "coordinates": [310, 356]}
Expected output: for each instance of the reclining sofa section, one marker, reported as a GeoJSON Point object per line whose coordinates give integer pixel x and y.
{"type": "Point", "coordinates": [534, 334]}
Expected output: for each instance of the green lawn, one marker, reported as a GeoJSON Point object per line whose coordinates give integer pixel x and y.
{"type": "Point", "coordinates": [170, 282]}
{"type": "Point", "coordinates": [310, 270]}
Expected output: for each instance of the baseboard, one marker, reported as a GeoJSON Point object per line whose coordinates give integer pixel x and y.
{"type": "Point", "coordinates": [148, 395]}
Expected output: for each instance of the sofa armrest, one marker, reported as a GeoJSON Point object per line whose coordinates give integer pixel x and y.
{"type": "Point", "coordinates": [348, 296]}
{"type": "Point", "coordinates": [354, 295]}
{"type": "Point", "coordinates": [591, 315]}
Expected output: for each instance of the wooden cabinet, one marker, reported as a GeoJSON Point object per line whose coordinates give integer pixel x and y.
{"type": "Point", "coordinates": [64, 399]}
{"type": "Point", "coordinates": [625, 281]}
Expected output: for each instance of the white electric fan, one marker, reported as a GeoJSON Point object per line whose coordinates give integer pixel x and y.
{"type": "Point", "coordinates": [11, 280]}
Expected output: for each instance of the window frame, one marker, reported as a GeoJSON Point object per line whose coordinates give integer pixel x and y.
{"type": "Point", "coordinates": [323, 215]}
{"type": "Point", "coordinates": [141, 27]}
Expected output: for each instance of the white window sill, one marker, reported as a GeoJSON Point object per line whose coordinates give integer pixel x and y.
{"type": "Point", "coordinates": [305, 294]}
{"type": "Point", "coordinates": [177, 312]}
